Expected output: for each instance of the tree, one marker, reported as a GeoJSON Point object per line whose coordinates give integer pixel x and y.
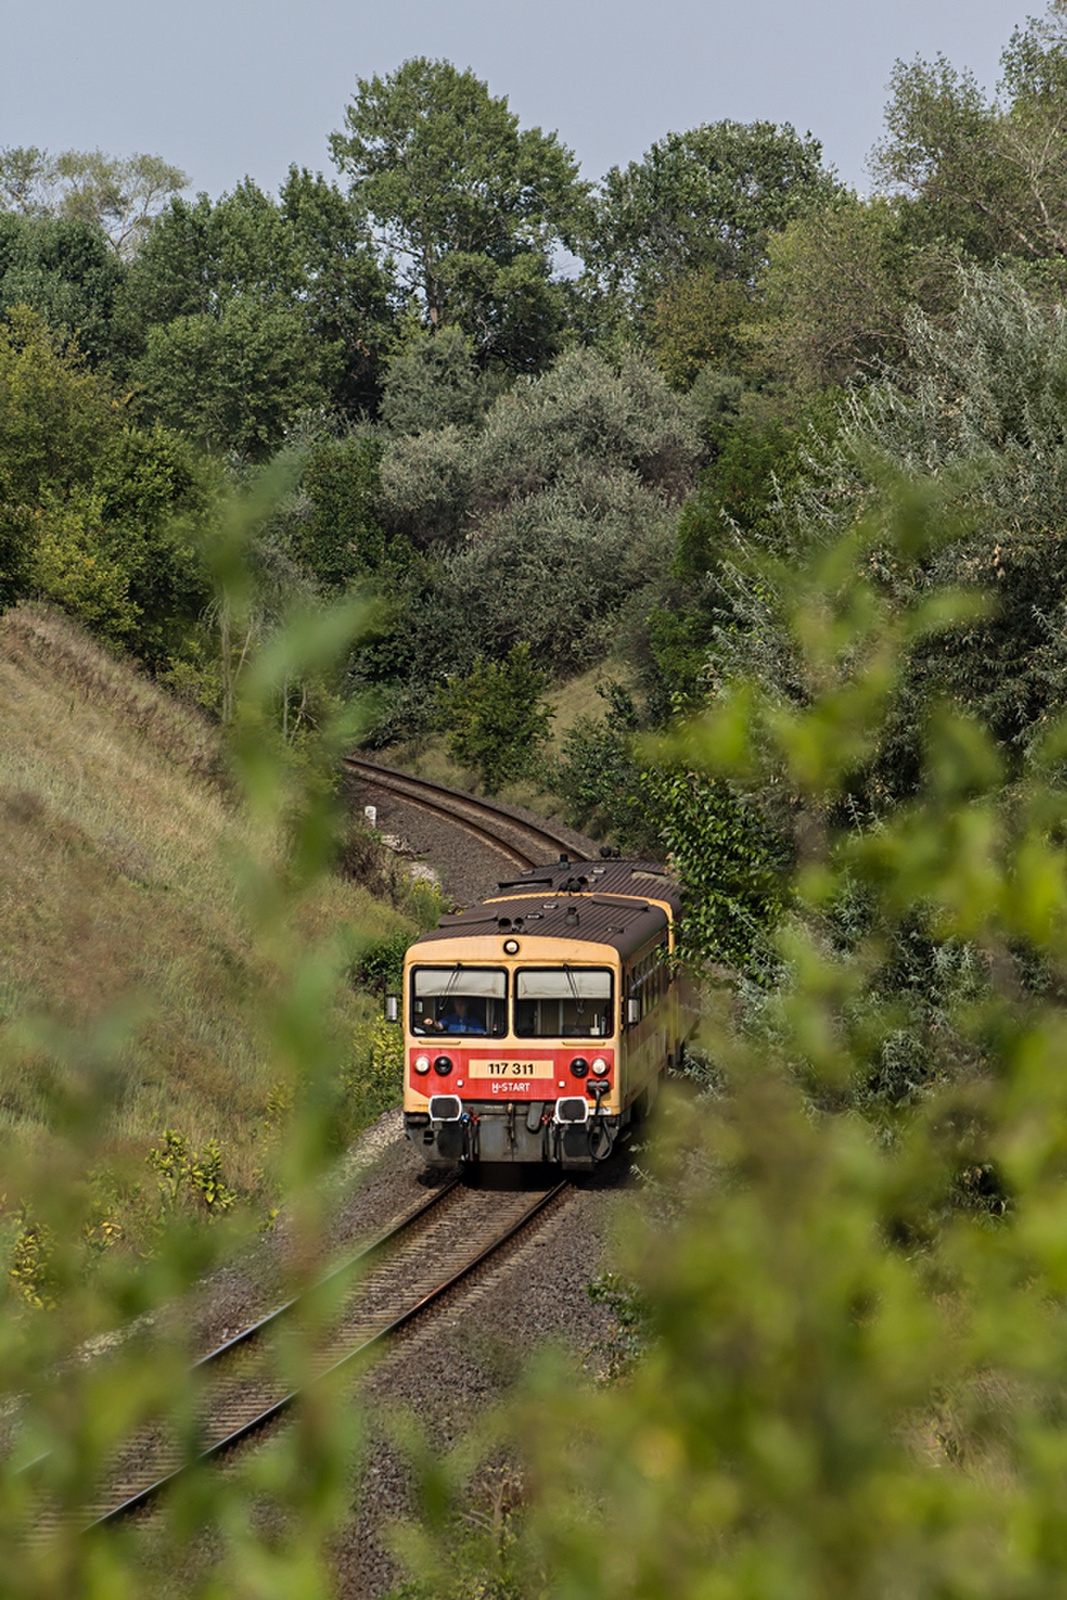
{"type": "Point", "coordinates": [496, 717]}
{"type": "Point", "coordinates": [537, 527]}
{"type": "Point", "coordinates": [119, 195]}
{"type": "Point", "coordinates": [978, 402]}
{"type": "Point", "coordinates": [990, 175]}
{"type": "Point", "coordinates": [56, 414]}
{"type": "Point", "coordinates": [65, 270]}
{"type": "Point", "coordinates": [706, 200]}
{"type": "Point", "coordinates": [433, 382]}
{"type": "Point", "coordinates": [203, 254]}
{"type": "Point", "coordinates": [348, 295]}
{"type": "Point", "coordinates": [156, 497]}
{"type": "Point", "coordinates": [98, 515]}
{"type": "Point", "coordinates": [305, 258]}
{"type": "Point", "coordinates": [583, 420]}
{"type": "Point", "coordinates": [837, 289]}
{"type": "Point", "coordinates": [234, 381]}
{"type": "Point", "coordinates": [467, 203]}
{"type": "Point", "coordinates": [341, 541]}
{"type": "Point", "coordinates": [696, 322]}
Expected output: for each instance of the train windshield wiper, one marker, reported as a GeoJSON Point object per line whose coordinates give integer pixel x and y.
{"type": "Point", "coordinates": [579, 1003]}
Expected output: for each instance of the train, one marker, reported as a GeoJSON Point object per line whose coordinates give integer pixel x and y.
{"type": "Point", "coordinates": [539, 1022]}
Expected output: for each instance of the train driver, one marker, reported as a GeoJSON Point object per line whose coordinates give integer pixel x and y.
{"type": "Point", "coordinates": [459, 1019]}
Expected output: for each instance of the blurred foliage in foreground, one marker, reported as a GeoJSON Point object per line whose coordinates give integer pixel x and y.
{"type": "Point", "coordinates": [264, 1527]}
{"type": "Point", "coordinates": [855, 1379]}
{"type": "Point", "coordinates": [855, 1373]}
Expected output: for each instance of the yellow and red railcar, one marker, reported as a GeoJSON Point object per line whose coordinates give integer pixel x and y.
{"type": "Point", "coordinates": [538, 1023]}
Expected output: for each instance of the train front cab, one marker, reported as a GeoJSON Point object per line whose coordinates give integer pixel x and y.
{"type": "Point", "coordinates": [536, 1046]}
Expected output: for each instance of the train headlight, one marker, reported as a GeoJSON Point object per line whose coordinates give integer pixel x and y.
{"type": "Point", "coordinates": [600, 1067]}
{"type": "Point", "coordinates": [579, 1067]}
{"type": "Point", "coordinates": [422, 1064]}
{"type": "Point", "coordinates": [443, 1066]}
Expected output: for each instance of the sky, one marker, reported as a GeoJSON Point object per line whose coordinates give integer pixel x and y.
{"type": "Point", "coordinates": [229, 88]}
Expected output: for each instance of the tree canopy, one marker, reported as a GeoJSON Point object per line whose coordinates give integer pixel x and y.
{"type": "Point", "coordinates": [469, 205]}
{"type": "Point", "coordinates": [65, 270]}
{"type": "Point", "coordinates": [990, 173]}
{"type": "Point", "coordinates": [708, 198]}
{"type": "Point", "coordinates": [120, 195]}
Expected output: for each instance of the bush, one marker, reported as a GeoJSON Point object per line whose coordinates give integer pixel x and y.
{"type": "Point", "coordinates": [855, 1367]}
{"type": "Point", "coordinates": [496, 719]}
{"type": "Point", "coordinates": [599, 773]}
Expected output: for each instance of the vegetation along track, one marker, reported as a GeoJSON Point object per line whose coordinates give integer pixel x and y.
{"type": "Point", "coordinates": [526, 843]}
{"type": "Point", "coordinates": [398, 1276]}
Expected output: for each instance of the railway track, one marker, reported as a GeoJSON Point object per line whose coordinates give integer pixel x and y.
{"type": "Point", "coordinates": [524, 843]}
{"type": "Point", "coordinates": [397, 1277]}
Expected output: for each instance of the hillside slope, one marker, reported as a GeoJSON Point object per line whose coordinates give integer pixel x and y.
{"type": "Point", "coordinates": [119, 900]}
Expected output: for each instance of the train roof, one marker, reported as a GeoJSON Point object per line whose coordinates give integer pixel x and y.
{"type": "Point", "coordinates": [614, 902]}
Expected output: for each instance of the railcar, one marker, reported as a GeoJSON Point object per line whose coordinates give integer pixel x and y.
{"type": "Point", "coordinates": [538, 1023]}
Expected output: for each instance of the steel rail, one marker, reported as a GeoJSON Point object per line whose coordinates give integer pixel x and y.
{"type": "Point", "coordinates": [463, 810]}
{"type": "Point", "coordinates": [373, 1246]}
{"type": "Point", "coordinates": [378, 1243]}
{"type": "Point", "coordinates": [278, 1408]}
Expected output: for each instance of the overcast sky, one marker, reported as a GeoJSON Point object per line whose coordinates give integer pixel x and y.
{"type": "Point", "coordinates": [224, 88]}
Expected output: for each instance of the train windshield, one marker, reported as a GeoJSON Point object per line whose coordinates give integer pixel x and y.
{"type": "Point", "coordinates": [564, 1003]}
{"type": "Point", "coordinates": [459, 1000]}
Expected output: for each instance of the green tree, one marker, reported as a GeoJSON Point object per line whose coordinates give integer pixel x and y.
{"type": "Point", "coordinates": [203, 254]}
{"type": "Point", "coordinates": [704, 200]}
{"type": "Point", "coordinates": [471, 206]}
{"type": "Point", "coordinates": [341, 540]}
{"type": "Point", "coordinates": [539, 527]}
{"type": "Point", "coordinates": [66, 271]}
{"type": "Point", "coordinates": [73, 567]}
{"type": "Point", "coordinates": [305, 258]}
{"type": "Point", "coordinates": [347, 294]}
{"type": "Point", "coordinates": [157, 501]}
{"type": "Point", "coordinates": [96, 514]}
{"type": "Point", "coordinates": [837, 291]}
{"type": "Point", "coordinates": [120, 195]}
{"type": "Point", "coordinates": [496, 718]}
{"type": "Point", "coordinates": [234, 381]}
{"type": "Point", "coordinates": [696, 322]}
{"type": "Point", "coordinates": [988, 175]}
{"type": "Point", "coordinates": [977, 401]}
{"type": "Point", "coordinates": [56, 414]}
{"type": "Point", "coordinates": [433, 382]}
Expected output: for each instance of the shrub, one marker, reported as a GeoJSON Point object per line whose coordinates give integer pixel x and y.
{"type": "Point", "coordinates": [599, 776]}
{"type": "Point", "coordinates": [496, 718]}
{"type": "Point", "coordinates": [187, 1175]}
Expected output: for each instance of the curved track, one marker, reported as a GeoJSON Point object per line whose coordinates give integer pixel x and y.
{"type": "Point", "coordinates": [523, 842]}
{"type": "Point", "coordinates": [396, 1278]}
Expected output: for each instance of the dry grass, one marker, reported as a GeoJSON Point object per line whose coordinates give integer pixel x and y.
{"type": "Point", "coordinates": [118, 891]}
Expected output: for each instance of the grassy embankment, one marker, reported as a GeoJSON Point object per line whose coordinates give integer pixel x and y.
{"type": "Point", "coordinates": [120, 897]}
